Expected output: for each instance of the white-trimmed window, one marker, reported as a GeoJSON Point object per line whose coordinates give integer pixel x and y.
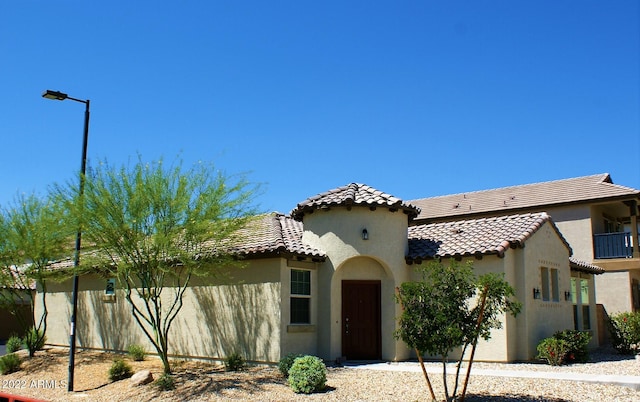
{"type": "Point", "coordinates": [300, 296]}
{"type": "Point", "coordinates": [550, 291]}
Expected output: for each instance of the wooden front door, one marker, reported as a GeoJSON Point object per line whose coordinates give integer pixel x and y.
{"type": "Point", "coordinates": [361, 334]}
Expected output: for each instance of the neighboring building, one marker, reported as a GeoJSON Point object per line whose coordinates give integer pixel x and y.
{"type": "Point", "coordinates": [322, 281]}
{"type": "Point", "coordinates": [598, 218]}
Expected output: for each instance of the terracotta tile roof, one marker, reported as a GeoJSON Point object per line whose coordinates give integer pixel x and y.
{"type": "Point", "coordinates": [353, 194]}
{"type": "Point", "coordinates": [275, 234]}
{"type": "Point", "coordinates": [264, 236]}
{"type": "Point", "coordinates": [482, 236]}
{"type": "Point", "coordinates": [525, 197]}
{"type": "Point", "coordinates": [582, 266]}
{"type": "Point", "coordinates": [19, 280]}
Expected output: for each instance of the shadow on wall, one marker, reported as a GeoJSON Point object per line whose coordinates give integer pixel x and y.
{"type": "Point", "coordinates": [104, 323]}
{"type": "Point", "coordinates": [241, 318]}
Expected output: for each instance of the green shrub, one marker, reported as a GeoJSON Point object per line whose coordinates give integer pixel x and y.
{"type": "Point", "coordinates": [9, 363]}
{"type": "Point", "coordinates": [284, 365]}
{"type": "Point", "coordinates": [553, 350]}
{"type": "Point", "coordinates": [165, 382]}
{"type": "Point", "coordinates": [136, 352]}
{"type": "Point", "coordinates": [577, 343]}
{"type": "Point", "coordinates": [234, 362]}
{"type": "Point", "coordinates": [307, 374]}
{"type": "Point", "coordinates": [14, 344]}
{"type": "Point", "coordinates": [34, 340]}
{"type": "Point", "coordinates": [625, 332]}
{"type": "Point", "coordinates": [120, 370]}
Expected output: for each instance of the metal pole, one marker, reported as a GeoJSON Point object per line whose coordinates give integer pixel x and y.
{"type": "Point", "coordinates": [83, 170]}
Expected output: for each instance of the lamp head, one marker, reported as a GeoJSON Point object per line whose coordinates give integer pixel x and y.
{"type": "Point", "coordinates": [54, 95]}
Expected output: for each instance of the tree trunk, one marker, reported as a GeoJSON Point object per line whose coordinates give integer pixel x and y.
{"type": "Point", "coordinates": [483, 302]}
{"type": "Point", "coordinates": [426, 376]}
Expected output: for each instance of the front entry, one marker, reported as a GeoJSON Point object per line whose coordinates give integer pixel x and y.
{"type": "Point", "coordinates": [361, 330]}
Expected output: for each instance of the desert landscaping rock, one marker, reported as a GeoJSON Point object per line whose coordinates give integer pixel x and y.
{"type": "Point", "coordinates": [141, 378]}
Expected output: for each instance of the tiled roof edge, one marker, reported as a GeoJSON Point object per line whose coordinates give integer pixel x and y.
{"type": "Point", "coordinates": [351, 191]}
{"type": "Point", "coordinates": [583, 266]}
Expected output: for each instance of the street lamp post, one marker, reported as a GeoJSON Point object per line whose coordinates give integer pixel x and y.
{"type": "Point", "coordinates": [83, 169]}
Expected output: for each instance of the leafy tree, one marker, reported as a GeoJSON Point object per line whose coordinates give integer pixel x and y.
{"type": "Point", "coordinates": [32, 234]}
{"type": "Point", "coordinates": [154, 228]}
{"type": "Point", "coordinates": [439, 313]}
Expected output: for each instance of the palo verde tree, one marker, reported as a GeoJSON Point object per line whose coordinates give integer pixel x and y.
{"type": "Point", "coordinates": [32, 235]}
{"type": "Point", "coordinates": [451, 308]}
{"type": "Point", "coordinates": [154, 227]}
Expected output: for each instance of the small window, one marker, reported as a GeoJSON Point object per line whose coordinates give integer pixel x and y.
{"type": "Point", "coordinates": [555, 292]}
{"type": "Point", "coordinates": [110, 289]}
{"type": "Point", "coordinates": [550, 288]}
{"type": "Point", "coordinates": [545, 283]}
{"type": "Point", "coordinates": [300, 297]}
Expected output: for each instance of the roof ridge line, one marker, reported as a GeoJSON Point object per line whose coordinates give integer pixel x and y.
{"type": "Point", "coordinates": [603, 175]}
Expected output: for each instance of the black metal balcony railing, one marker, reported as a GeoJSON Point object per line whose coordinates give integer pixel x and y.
{"type": "Point", "coordinates": [612, 245]}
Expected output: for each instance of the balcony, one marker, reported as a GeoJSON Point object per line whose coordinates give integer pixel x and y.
{"type": "Point", "coordinates": [612, 245]}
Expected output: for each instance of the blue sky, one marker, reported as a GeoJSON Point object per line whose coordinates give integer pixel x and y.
{"type": "Point", "coordinates": [415, 98]}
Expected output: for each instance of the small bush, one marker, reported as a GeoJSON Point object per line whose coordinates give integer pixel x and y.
{"type": "Point", "coordinates": [625, 332]}
{"type": "Point", "coordinates": [120, 370]}
{"type": "Point", "coordinates": [136, 352]}
{"type": "Point", "coordinates": [14, 344]}
{"type": "Point", "coordinates": [34, 340]}
{"type": "Point", "coordinates": [165, 382]}
{"type": "Point", "coordinates": [234, 362]}
{"type": "Point", "coordinates": [284, 365]}
{"type": "Point", "coordinates": [577, 343]}
{"type": "Point", "coordinates": [307, 374]}
{"type": "Point", "coordinates": [10, 363]}
{"type": "Point", "coordinates": [553, 350]}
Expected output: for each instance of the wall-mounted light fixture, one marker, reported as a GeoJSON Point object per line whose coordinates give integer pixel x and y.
{"type": "Point", "coordinates": [567, 296]}
{"type": "Point", "coordinates": [536, 293]}
{"type": "Point", "coordinates": [365, 234]}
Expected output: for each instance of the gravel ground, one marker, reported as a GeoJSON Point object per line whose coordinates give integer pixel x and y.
{"type": "Point", "coordinates": [45, 375]}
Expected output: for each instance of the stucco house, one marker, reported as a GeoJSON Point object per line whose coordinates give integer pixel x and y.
{"type": "Point", "coordinates": [321, 281]}
{"type": "Point", "coordinates": [597, 217]}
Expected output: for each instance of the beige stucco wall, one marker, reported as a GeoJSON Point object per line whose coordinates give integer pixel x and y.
{"type": "Point", "coordinates": [497, 348]}
{"type": "Point", "coordinates": [614, 291]}
{"type": "Point", "coordinates": [239, 311]}
{"type": "Point", "coordinates": [575, 225]}
{"type": "Point", "coordinates": [544, 318]}
{"type": "Point", "coordinates": [338, 231]}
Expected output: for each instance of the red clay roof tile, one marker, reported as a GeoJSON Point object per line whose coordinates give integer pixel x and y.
{"type": "Point", "coordinates": [492, 235]}
{"type": "Point", "coordinates": [353, 194]}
